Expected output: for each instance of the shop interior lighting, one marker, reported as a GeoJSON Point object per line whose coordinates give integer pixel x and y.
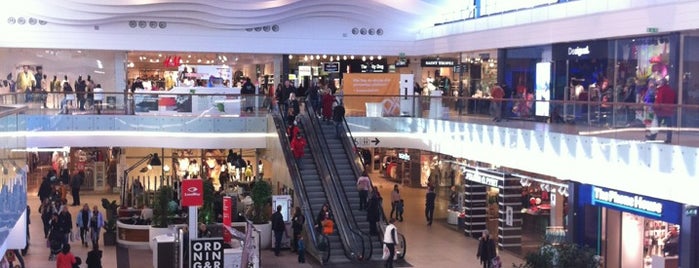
{"type": "Point", "coordinates": [352, 57]}
{"type": "Point", "coordinates": [363, 58]}
{"type": "Point", "coordinates": [344, 57]}
{"type": "Point", "coordinates": [198, 60]}
{"type": "Point", "coordinates": [317, 57]}
{"type": "Point", "coordinates": [189, 56]}
{"type": "Point", "coordinates": [149, 167]}
{"type": "Point", "coordinates": [378, 57]}
{"type": "Point", "coordinates": [291, 56]}
{"type": "Point", "coordinates": [305, 58]}
{"type": "Point", "coordinates": [160, 55]}
{"type": "Point", "coordinates": [64, 149]}
{"type": "Point", "coordinates": [332, 59]}
{"type": "Point", "coordinates": [166, 168]}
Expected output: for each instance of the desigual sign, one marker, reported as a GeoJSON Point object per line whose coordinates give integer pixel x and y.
{"type": "Point", "coordinates": [627, 201]}
{"type": "Point", "coordinates": [579, 51]}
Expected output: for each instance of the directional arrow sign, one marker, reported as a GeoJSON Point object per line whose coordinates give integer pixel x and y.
{"type": "Point", "coordinates": [376, 141]}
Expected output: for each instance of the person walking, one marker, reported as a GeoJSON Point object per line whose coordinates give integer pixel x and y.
{"type": "Point", "coordinates": [75, 184]}
{"type": "Point", "coordinates": [66, 259]}
{"type": "Point", "coordinates": [486, 249]}
{"type": "Point", "coordinates": [94, 258]}
{"type": "Point", "coordinates": [65, 223]}
{"type": "Point", "coordinates": [395, 198]}
{"type": "Point", "coordinates": [297, 222]}
{"type": "Point", "coordinates": [45, 187]}
{"type": "Point", "coordinates": [429, 205]}
{"type": "Point", "coordinates": [297, 148]}
{"type": "Point", "coordinates": [390, 240]}
{"type": "Point", "coordinates": [301, 248]}
{"type": "Point", "coordinates": [373, 211]}
{"type": "Point", "coordinates": [83, 222]}
{"type": "Point", "coordinates": [399, 210]}
{"type": "Point", "coordinates": [363, 184]}
{"type": "Point", "coordinates": [278, 226]}
{"type": "Point", "coordinates": [338, 117]}
{"type": "Point", "coordinates": [96, 224]}
{"type": "Point", "coordinates": [664, 109]}
{"type": "Point", "coordinates": [497, 94]}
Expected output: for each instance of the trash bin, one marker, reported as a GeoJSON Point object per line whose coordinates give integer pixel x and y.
{"type": "Point", "coordinates": [129, 105]}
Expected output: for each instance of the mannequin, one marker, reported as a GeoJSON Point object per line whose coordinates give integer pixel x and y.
{"type": "Point", "coordinates": [25, 79]}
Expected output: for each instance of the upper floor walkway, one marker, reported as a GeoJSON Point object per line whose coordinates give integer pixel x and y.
{"type": "Point", "coordinates": [594, 143]}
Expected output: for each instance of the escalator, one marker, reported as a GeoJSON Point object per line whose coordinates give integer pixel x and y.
{"type": "Point", "coordinates": [312, 192]}
{"type": "Point", "coordinates": [345, 170]}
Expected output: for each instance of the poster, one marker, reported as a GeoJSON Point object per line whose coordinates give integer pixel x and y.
{"type": "Point", "coordinates": [543, 88]}
{"type": "Point", "coordinates": [378, 88]}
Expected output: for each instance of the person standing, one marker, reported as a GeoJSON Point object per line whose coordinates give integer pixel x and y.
{"type": "Point", "coordinates": [83, 221]}
{"type": "Point", "coordinates": [664, 109]}
{"type": "Point", "coordinates": [327, 101]}
{"type": "Point", "coordinates": [395, 198]}
{"type": "Point", "coordinates": [94, 258]}
{"type": "Point", "coordinates": [248, 92]}
{"type": "Point", "coordinates": [66, 259]}
{"type": "Point", "coordinates": [390, 240]}
{"type": "Point", "coordinates": [80, 90]}
{"type": "Point", "coordinates": [373, 211]}
{"type": "Point", "coordinates": [486, 249]}
{"type": "Point", "coordinates": [98, 97]}
{"type": "Point", "coordinates": [338, 117]}
{"type": "Point", "coordinates": [137, 190]}
{"type": "Point", "coordinates": [497, 94]}
{"type": "Point", "coordinates": [297, 148]}
{"type": "Point", "coordinates": [297, 222]}
{"type": "Point", "coordinates": [75, 184]}
{"type": "Point", "coordinates": [363, 184]}
{"type": "Point", "coordinates": [429, 205]}
{"type": "Point", "coordinates": [314, 96]}
{"type": "Point", "coordinates": [283, 93]}
{"type": "Point", "coordinates": [96, 224]}
{"type": "Point", "coordinates": [278, 226]}
{"type": "Point", "coordinates": [399, 210]}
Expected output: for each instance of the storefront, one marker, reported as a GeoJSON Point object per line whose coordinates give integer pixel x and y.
{"type": "Point", "coordinates": [629, 230]}
{"type": "Point", "coordinates": [521, 72]}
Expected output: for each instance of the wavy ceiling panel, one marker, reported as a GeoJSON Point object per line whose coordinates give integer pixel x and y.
{"type": "Point", "coordinates": [226, 14]}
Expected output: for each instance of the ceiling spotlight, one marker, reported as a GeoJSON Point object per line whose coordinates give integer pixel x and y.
{"type": "Point", "coordinates": [337, 57]}
{"type": "Point", "coordinates": [363, 58]}
{"type": "Point", "coordinates": [199, 61]}
{"type": "Point", "coordinates": [379, 57]}
{"type": "Point", "coordinates": [317, 57]}
{"type": "Point", "coordinates": [305, 58]}
{"type": "Point", "coordinates": [291, 56]}
{"type": "Point", "coordinates": [189, 56]}
{"type": "Point", "coordinates": [352, 57]}
{"type": "Point", "coordinates": [332, 59]}
{"type": "Point", "coordinates": [344, 57]}
{"type": "Point", "coordinates": [160, 55]}
{"type": "Point", "coordinates": [325, 56]}
{"type": "Point", "coordinates": [371, 57]}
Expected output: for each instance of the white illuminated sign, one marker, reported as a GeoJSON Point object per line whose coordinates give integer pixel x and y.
{"type": "Point", "coordinates": [482, 178]}
{"type": "Point", "coordinates": [621, 200]}
{"type": "Point", "coordinates": [579, 51]}
{"type": "Point", "coordinates": [404, 156]}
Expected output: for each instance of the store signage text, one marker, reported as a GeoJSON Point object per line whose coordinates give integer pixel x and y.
{"type": "Point", "coordinates": [331, 67]}
{"type": "Point", "coordinates": [206, 253]}
{"type": "Point", "coordinates": [404, 156]}
{"type": "Point", "coordinates": [482, 178]}
{"type": "Point", "coordinates": [633, 202]}
{"type": "Point", "coordinates": [438, 62]}
{"type": "Point", "coordinates": [579, 51]}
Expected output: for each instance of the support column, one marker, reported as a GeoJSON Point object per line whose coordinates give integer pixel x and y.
{"type": "Point", "coordinates": [475, 207]}
{"type": "Point", "coordinates": [510, 205]}
{"type": "Point", "coordinates": [689, 241]}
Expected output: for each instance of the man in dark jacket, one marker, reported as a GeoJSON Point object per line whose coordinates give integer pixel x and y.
{"type": "Point", "coordinates": [486, 249]}
{"type": "Point", "coordinates": [278, 226]}
{"type": "Point", "coordinates": [65, 224]}
{"type": "Point", "coordinates": [45, 187]}
{"type": "Point", "coordinates": [373, 211]}
{"type": "Point", "coordinates": [429, 205]}
{"type": "Point", "coordinates": [283, 96]}
{"type": "Point", "coordinates": [338, 116]}
{"type": "Point", "coordinates": [75, 184]}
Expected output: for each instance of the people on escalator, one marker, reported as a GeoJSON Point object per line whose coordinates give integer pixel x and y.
{"type": "Point", "coordinates": [327, 101]}
{"type": "Point", "coordinates": [338, 117]}
{"type": "Point", "coordinates": [363, 184]}
{"type": "Point", "coordinates": [297, 146]}
{"type": "Point", "coordinates": [297, 222]}
{"type": "Point", "coordinates": [292, 130]}
{"type": "Point", "coordinates": [283, 92]}
{"type": "Point", "coordinates": [373, 211]}
{"type": "Point", "coordinates": [328, 226]}
{"type": "Point", "coordinates": [390, 240]}
{"type": "Point", "coordinates": [322, 215]}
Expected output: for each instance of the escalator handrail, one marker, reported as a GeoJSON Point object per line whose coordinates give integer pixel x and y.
{"type": "Point", "coordinates": [301, 192]}
{"type": "Point", "coordinates": [358, 171]}
{"type": "Point", "coordinates": [332, 170]}
{"type": "Point", "coordinates": [340, 217]}
{"type": "Point", "coordinates": [341, 191]}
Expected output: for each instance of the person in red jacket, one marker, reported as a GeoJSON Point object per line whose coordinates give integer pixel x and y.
{"type": "Point", "coordinates": [664, 109]}
{"type": "Point", "coordinates": [297, 146]}
{"type": "Point", "coordinates": [327, 101]}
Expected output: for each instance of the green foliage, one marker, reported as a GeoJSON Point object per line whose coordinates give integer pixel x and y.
{"type": "Point", "coordinates": [206, 212]}
{"type": "Point", "coordinates": [561, 256]}
{"type": "Point", "coordinates": [110, 209]}
{"type": "Point", "coordinates": [261, 195]}
{"type": "Point", "coordinates": [160, 206]}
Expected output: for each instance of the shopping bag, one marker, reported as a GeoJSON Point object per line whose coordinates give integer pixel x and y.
{"type": "Point", "coordinates": [386, 253]}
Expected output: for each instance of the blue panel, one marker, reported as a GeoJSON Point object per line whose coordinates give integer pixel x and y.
{"type": "Point", "coordinates": [671, 211]}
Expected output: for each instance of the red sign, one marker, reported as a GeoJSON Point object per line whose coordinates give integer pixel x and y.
{"type": "Point", "coordinates": [227, 205]}
{"type": "Point", "coordinates": [192, 193]}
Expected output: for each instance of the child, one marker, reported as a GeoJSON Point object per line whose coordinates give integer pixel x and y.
{"type": "Point", "coordinates": [301, 248]}
{"type": "Point", "coordinates": [399, 210]}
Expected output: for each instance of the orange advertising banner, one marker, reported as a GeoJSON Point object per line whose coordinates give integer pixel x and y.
{"type": "Point", "coordinates": [362, 89]}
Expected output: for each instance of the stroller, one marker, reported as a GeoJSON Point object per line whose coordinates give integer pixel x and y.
{"type": "Point", "coordinates": [55, 243]}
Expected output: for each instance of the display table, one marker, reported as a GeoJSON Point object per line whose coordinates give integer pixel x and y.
{"type": "Point", "coordinates": [664, 262]}
{"type": "Point", "coordinates": [453, 217]}
{"type": "Point", "coordinates": [133, 236]}
{"type": "Point", "coordinates": [232, 257]}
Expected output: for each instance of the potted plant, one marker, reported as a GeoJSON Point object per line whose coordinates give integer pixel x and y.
{"type": "Point", "coordinates": [261, 195]}
{"type": "Point", "coordinates": [110, 223]}
{"type": "Point", "coordinates": [161, 212]}
{"type": "Point", "coordinates": [206, 212]}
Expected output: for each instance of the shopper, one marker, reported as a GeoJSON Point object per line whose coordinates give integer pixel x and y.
{"type": "Point", "coordinates": [373, 211]}
{"type": "Point", "coordinates": [486, 249]}
{"type": "Point", "coordinates": [363, 184]}
{"type": "Point", "coordinates": [322, 215]}
{"type": "Point", "coordinates": [96, 224]}
{"type": "Point", "coordinates": [248, 92]}
{"type": "Point", "coordinates": [664, 109]}
{"type": "Point", "coordinates": [46, 210]}
{"type": "Point", "coordinates": [80, 89]}
{"type": "Point", "coordinates": [395, 197]}
{"type": "Point", "coordinates": [83, 220]}
{"type": "Point", "coordinates": [313, 95]}
{"type": "Point", "coordinates": [429, 205]}
{"type": "Point", "coordinates": [497, 94]}
{"type": "Point", "coordinates": [390, 240]}
{"type": "Point", "coordinates": [328, 226]}
{"type": "Point", "coordinates": [66, 259]}
{"type": "Point", "coordinates": [301, 248]}
{"type": "Point", "coordinates": [399, 210]}
{"type": "Point", "coordinates": [75, 184]}
{"type": "Point", "coordinates": [327, 101]}
{"type": "Point", "coordinates": [278, 226]}
{"type": "Point", "coordinates": [283, 94]}
{"type": "Point", "coordinates": [297, 222]}
{"type": "Point", "coordinates": [65, 224]}
{"type": "Point", "coordinates": [98, 97]}
{"type": "Point", "coordinates": [45, 187]}
{"type": "Point", "coordinates": [137, 190]}
{"type": "Point", "coordinates": [297, 148]}
{"type": "Point", "coordinates": [94, 258]}
{"type": "Point", "coordinates": [338, 117]}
